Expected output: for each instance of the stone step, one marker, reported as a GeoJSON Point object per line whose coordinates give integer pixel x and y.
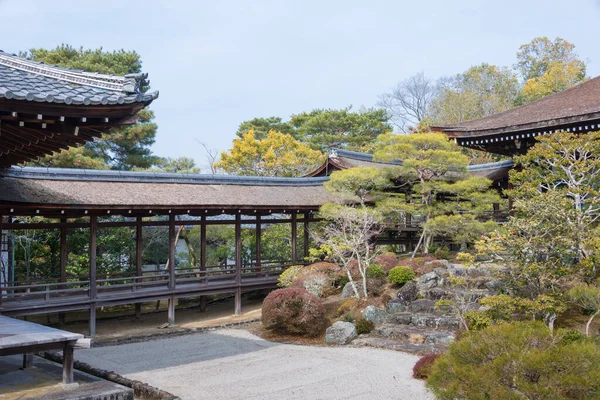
{"type": "Point", "coordinates": [424, 320]}
{"type": "Point", "coordinates": [414, 335]}
{"type": "Point", "coordinates": [391, 344]}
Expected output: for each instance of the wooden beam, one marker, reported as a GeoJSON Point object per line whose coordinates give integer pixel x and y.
{"type": "Point", "coordinates": [172, 276]}
{"type": "Point", "coordinates": [294, 238]}
{"type": "Point", "coordinates": [306, 234]}
{"type": "Point", "coordinates": [258, 242]}
{"type": "Point", "coordinates": [63, 262]}
{"type": "Point", "coordinates": [138, 259]}
{"type": "Point", "coordinates": [93, 288]}
{"type": "Point", "coordinates": [67, 372]}
{"type": "Point", "coordinates": [238, 264]}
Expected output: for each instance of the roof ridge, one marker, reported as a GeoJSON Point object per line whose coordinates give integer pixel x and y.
{"type": "Point", "coordinates": [359, 156]}
{"type": "Point", "coordinates": [129, 83]}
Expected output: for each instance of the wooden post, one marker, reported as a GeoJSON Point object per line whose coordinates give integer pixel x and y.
{"type": "Point", "coordinates": [93, 289]}
{"type": "Point", "coordinates": [63, 263]}
{"type": "Point", "coordinates": [1, 250]}
{"type": "Point", "coordinates": [294, 238]}
{"type": "Point", "coordinates": [238, 263]}
{"type": "Point", "coordinates": [27, 360]}
{"type": "Point", "coordinates": [172, 276]}
{"type": "Point", "coordinates": [258, 260]}
{"type": "Point", "coordinates": [138, 260]}
{"type": "Point", "coordinates": [306, 234]}
{"type": "Point", "coordinates": [203, 259]}
{"type": "Point", "coordinates": [67, 372]}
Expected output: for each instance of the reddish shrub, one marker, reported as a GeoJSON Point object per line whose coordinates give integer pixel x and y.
{"type": "Point", "coordinates": [422, 368]}
{"type": "Point", "coordinates": [330, 269]}
{"type": "Point", "coordinates": [353, 268]}
{"type": "Point", "coordinates": [387, 261]}
{"type": "Point", "coordinates": [315, 282]}
{"type": "Point", "coordinates": [295, 311]}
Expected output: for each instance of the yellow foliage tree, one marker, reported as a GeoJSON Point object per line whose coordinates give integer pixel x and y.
{"type": "Point", "coordinates": [558, 77]}
{"type": "Point", "coordinates": [278, 154]}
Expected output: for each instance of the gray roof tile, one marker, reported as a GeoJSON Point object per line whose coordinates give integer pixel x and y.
{"type": "Point", "coordinates": [22, 79]}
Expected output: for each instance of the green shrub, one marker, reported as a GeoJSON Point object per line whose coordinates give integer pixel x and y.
{"type": "Point", "coordinates": [477, 320]}
{"type": "Point", "coordinates": [422, 368]}
{"type": "Point", "coordinates": [341, 280]}
{"type": "Point", "coordinates": [363, 325]}
{"type": "Point", "coordinates": [465, 258]}
{"type": "Point", "coordinates": [348, 317]}
{"type": "Point", "coordinates": [517, 360]}
{"type": "Point", "coordinates": [287, 277]}
{"type": "Point", "coordinates": [375, 271]}
{"type": "Point", "coordinates": [400, 275]}
{"type": "Point", "coordinates": [442, 253]}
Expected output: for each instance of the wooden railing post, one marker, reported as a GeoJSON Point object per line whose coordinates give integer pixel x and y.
{"type": "Point", "coordinates": [92, 287]}
{"type": "Point", "coordinates": [63, 262]}
{"type": "Point", "coordinates": [294, 237]}
{"type": "Point", "coordinates": [172, 277]}
{"type": "Point", "coordinates": [139, 243]}
{"type": "Point", "coordinates": [306, 234]}
{"type": "Point", "coordinates": [258, 261]}
{"type": "Point", "coordinates": [238, 263]}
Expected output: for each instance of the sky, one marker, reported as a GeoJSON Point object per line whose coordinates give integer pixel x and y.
{"type": "Point", "coordinates": [219, 63]}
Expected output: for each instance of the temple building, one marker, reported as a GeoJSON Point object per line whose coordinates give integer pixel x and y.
{"type": "Point", "coordinates": [512, 132]}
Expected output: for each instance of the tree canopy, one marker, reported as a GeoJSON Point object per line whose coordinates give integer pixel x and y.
{"type": "Point", "coordinates": [120, 149]}
{"type": "Point", "coordinates": [278, 154]}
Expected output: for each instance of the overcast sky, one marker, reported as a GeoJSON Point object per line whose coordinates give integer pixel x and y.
{"type": "Point", "coordinates": [218, 63]}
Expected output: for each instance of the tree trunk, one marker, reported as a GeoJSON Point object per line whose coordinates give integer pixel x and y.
{"type": "Point", "coordinates": [587, 326]}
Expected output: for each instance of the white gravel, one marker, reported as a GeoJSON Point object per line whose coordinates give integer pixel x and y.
{"type": "Point", "coordinates": [234, 364]}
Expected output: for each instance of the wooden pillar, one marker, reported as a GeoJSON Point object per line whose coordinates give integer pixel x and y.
{"type": "Point", "coordinates": [63, 263]}
{"type": "Point", "coordinates": [203, 258]}
{"type": "Point", "coordinates": [294, 238]}
{"type": "Point", "coordinates": [1, 250]}
{"type": "Point", "coordinates": [258, 260]}
{"type": "Point", "coordinates": [238, 264]}
{"type": "Point", "coordinates": [27, 360]}
{"type": "Point", "coordinates": [67, 372]}
{"type": "Point", "coordinates": [139, 248]}
{"type": "Point", "coordinates": [306, 234]}
{"type": "Point", "coordinates": [172, 277]}
{"type": "Point", "coordinates": [93, 288]}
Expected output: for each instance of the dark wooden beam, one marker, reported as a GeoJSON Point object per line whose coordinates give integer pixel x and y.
{"type": "Point", "coordinates": [238, 264]}
{"type": "Point", "coordinates": [139, 243]}
{"type": "Point", "coordinates": [172, 276]}
{"type": "Point", "coordinates": [63, 262]}
{"type": "Point", "coordinates": [294, 238]}
{"type": "Point", "coordinates": [258, 242]}
{"type": "Point", "coordinates": [306, 234]}
{"type": "Point", "coordinates": [93, 287]}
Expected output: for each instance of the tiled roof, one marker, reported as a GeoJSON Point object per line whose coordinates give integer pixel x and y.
{"type": "Point", "coordinates": [112, 188]}
{"type": "Point", "coordinates": [22, 79]}
{"type": "Point", "coordinates": [577, 104]}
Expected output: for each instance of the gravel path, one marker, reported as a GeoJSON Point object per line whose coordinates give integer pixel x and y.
{"type": "Point", "coordinates": [234, 364]}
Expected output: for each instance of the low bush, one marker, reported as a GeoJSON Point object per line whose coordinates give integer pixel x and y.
{"type": "Point", "coordinates": [387, 261]}
{"type": "Point", "coordinates": [518, 360]}
{"type": "Point", "coordinates": [287, 277]}
{"type": "Point", "coordinates": [294, 311]}
{"type": "Point", "coordinates": [442, 253]}
{"type": "Point", "coordinates": [465, 258]}
{"type": "Point", "coordinates": [363, 325]}
{"type": "Point", "coordinates": [477, 320]}
{"type": "Point", "coordinates": [315, 282]}
{"type": "Point", "coordinates": [375, 271]}
{"type": "Point", "coordinates": [347, 305]}
{"type": "Point", "coordinates": [422, 368]}
{"type": "Point", "coordinates": [400, 275]}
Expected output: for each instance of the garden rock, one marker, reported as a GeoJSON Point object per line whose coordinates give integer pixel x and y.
{"type": "Point", "coordinates": [409, 292]}
{"type": "Point", "coordinates": [429, 281]}
{"type": "Point", "coordinates": [395, 305]}
{"type": "Point", "coordinates": [340, 333]}
{"type": "Point", "coordinates": [348, 291]}
{"type": "Point", "coordinates": [422, 306]}
{"type": "Point", "coordinates": [375, 315]}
